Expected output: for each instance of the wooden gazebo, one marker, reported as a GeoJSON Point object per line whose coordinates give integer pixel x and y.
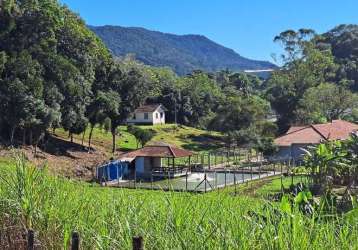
{"type": "Point", "coordinates": [148, 161]}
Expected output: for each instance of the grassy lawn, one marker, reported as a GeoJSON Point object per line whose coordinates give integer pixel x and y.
{"type": "Point", "coordinates": [186, 137]}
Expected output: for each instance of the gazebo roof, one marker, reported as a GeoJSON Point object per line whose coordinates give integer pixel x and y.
{"type": "Point", "coordinates": [158, 150]}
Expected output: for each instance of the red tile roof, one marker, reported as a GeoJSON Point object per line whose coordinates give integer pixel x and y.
{"type": "Point", "coordinates": [163, 151]}
{"type": "Point", "coordinates": [295, 128]}
{"type": "Point", "coordinates": [149, 108]}
{"type": "Point", "coordinates": [314, 134]}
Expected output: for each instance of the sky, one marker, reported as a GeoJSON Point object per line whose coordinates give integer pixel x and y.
{"type": "Point", "coordinates": [247, 26]}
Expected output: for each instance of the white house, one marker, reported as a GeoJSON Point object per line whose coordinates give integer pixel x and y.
{"type": "Point", "coordinates": [148, 114]}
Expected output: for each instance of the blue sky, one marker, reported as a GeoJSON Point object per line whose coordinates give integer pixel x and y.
{"type": "Point", "coordinates": [247, 26]}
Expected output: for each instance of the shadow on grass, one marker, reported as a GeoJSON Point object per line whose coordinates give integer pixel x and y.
{"type": "Point", "coordinates": [202, 142]}
{"type": "Point", "coordinates": [60, 147]}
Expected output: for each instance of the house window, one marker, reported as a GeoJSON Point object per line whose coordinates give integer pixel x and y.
{"type": "Point", "coordinates": [134, 117]}
{"type": "Point", "coordinates": [156, 115]}
{"type": "Point", "coordinates": [161, 115]}
{"type": "Point", "coordinates": [146, 116]}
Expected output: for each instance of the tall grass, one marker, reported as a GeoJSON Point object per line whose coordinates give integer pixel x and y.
{"type": "Point", "coordinates": [108, 218]}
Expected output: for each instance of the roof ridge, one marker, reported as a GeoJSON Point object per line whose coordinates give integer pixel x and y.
{"type": "Point", "coordinates": [319, 132]}
{"type": "Point", "coordinates": [171, 150]}
{"type": "Point", "coordinates": [293, 131]}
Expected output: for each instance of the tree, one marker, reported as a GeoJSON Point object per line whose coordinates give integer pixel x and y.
{"type": "Point", "coordinates": [142, 135]}
{"type": "Point", "coordinates": [326, 102]}
{"type": "Point", "coordinates": [130, 83]}
{"type": "Point", "coordinates": [305, 66]}
{"type": "Point", "coordinates": [48, 59]}
{"type": "Point", "coordinates": [343, 42]}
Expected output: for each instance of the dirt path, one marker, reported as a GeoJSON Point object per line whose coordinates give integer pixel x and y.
{"type": "Point", "coordinates": [253, 186]}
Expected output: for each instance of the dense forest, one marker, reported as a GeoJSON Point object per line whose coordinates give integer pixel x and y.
{"type": "Point", "coordinates": [182, 54]}
{"type": "Point", "coordinates": [318, 81]}
{"type": "Point", "coordinates": [55, 72]}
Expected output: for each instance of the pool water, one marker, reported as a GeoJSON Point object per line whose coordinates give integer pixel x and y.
{"type": "Point", "coordinates": [196, 181]}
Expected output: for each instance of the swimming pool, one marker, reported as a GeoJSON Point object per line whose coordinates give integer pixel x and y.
{"type": "Point", "coordinates": [203, 181]}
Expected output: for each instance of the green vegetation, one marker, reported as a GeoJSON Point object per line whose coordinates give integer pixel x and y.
{"type": "Point", "coordinates": [316, 83]}
{"type": "Point", "coordinates": [333, 163]}
{"type": "Point", "coordinates": [57, 74]}
{"type": "Point", "coordinates": [108, 218]}
{"type": "Point", "coordinates": [182, 136]}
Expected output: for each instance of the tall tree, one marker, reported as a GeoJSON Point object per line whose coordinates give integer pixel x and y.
{"type": "Point", "coordinates": [130, 83]}
{"type": "Point", "coordinates": [305, 66]}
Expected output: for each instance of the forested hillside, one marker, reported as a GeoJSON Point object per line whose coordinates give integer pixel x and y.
{"type": "Point", "coordinates": [319, 78]}
{"type": "Point", "coordinates": [55, 73]}
{"type": "Point", "coordinates": [183, 54]}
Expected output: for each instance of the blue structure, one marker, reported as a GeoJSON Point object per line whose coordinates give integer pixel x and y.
{"type": "Point", "coordinates": [114, 170]}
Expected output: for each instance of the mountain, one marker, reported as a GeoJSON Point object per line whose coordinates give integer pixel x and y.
{"type": "Point", "coordinates": [182, 53]}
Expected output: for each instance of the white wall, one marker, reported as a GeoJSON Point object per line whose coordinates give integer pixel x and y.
{"type": "Point", "coordinates": [139, 118]}
{"type": "Point", "coordinates": [144, 165]}
{"type": "Point", "coordinates": [157, 118]}
{"type": "Point", "coordinates": [153, 117]}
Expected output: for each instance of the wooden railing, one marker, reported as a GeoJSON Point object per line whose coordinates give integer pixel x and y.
{"type": "Point", "coordinates": [30, 243]}
{"type": "Point", "coordinates": [170, 170]}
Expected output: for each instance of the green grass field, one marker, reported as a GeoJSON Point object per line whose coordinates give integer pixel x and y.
{"type": "Point", "coordinates": [186, 137]}
{"type": "Point", "coordinates": [107, 218]}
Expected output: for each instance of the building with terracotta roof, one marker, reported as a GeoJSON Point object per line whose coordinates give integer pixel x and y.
{"type": "Point", "coordinates": [150, 114]}
{"type": "Point", "coordinates": [156, 159]}
{"type": "Point", "coordinates": [299, 137]}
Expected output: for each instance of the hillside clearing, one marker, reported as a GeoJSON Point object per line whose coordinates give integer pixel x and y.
{"type": "Point", "coordinates": [182, 136]}
{"type": "Point", "coordinates": [74, 160]}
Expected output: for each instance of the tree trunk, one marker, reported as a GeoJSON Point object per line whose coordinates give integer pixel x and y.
{"type": "Point", "coordinates": [30, 137]}
{"type": "Point", "coordinates": [83, 137]}
{"type": "Point", "coordinates": [35, 154]}
{"type": "Point", "coordinates": [12, 133]}
{"type": "Point", "coordinates": [24, 137]}
{"type": "Point", "coordinates": [113, 131]}
{"type": "Point", "coordinates": [113, 141]}
{"type": "Point", "coordinates": [90, 138]}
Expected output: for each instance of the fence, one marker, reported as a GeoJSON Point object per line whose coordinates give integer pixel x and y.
{"type": "Point", "coordinates": [200, 173]}
{"type": "Point", "coordinates": [205, 179]}
{"type": "Point", "coordinates": [29, 241]}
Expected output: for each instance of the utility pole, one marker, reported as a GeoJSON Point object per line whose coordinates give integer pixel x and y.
{"type": "Point", "coordinates": [175, 110]}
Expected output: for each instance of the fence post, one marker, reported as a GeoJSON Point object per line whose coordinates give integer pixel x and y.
{"type": "Point", "coordinates": [259, 171]}
{"type": "Point", "coordinates": [242, 174]}
{"type": "Point", "coordinates": [215, 159]}
{"type": "Point", "coordinates": [75, 243]}
{"type": "Point", "coordinates": [225, 177]}
{"type": "Point", "coordinates": [209, 160]}
{"type": "Point", "coordinates": [138, 243]}
{"type": "Point", "coordinates": [251, 171]}
{"type": "Point", "coordinates": [186, 181]}
{"type": "Point", "coordinates": [151, 180]}
{"type": "Point", "coordinates": [281, 177]}
{"type": "Point", "coordinates": [205, 180]}
{"type": "Point", "coordinates": [30, 239]}
{"type": "Point", "coordinates": [235, 181]}
{"type": "Point", "coordinates": [216, 180]}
